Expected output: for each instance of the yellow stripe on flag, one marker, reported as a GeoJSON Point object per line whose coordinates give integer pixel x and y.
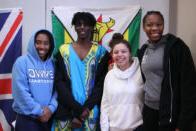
{"type": "Point", "coordinates": [126, 35]}
{"type": "Point", "coordinates": [67, 38]}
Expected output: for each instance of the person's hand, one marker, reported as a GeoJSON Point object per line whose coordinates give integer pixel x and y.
{"type": "Point", "coordinates": [177, 129]}
{"type": "Point", "coordinates": [76, 123]}
{"type": "Point", "coordinates": [46, 115]}
{"type": "Point", "coordinates": [84, 114]}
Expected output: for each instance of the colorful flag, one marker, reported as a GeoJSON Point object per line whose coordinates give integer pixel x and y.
{"type": "Point", "coordinates": [10, 49]}
{"type": "Point", "coordinates": [125, 20]}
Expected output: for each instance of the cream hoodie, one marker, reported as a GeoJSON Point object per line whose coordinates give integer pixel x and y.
{"type": "Point", "coordinates": [122, 100]}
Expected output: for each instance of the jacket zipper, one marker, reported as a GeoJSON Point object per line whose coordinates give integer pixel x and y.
{"type": "Point", "coordinates": [170, 83]}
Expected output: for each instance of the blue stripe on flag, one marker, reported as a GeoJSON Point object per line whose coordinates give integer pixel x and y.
{"type": "Point", "coordinates": [14, 51]}
{"type": "Point", "coordinates": [3, 18]}
{"type": "Point", "coordinates": [5, 106]}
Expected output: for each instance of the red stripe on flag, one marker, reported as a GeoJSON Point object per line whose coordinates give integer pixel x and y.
{"type": "Point", "coordinates": [5, 86]}
{"type": "Point", "coordinates": [1, 128]}
{"type": "Point", "coordinates": [10, 33]}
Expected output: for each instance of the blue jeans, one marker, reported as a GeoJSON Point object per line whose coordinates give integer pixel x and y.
{"type": "Point", "coordinates": [27, 123]}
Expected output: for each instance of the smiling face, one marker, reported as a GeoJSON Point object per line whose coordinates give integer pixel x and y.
{"type": "Point", "coordinates": [153, 27]}
{"type": "Point", "coordinates": [83, 30]}
{"type": "Point", "coordinates": [42, 45]}
{"type": "Point", "coordinates": [121, 56]}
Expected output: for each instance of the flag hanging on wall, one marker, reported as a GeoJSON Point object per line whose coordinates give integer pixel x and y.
{"type": "Point", "coordinates": [125, 20]}
{"type": "Point", "coordinates": [10, 49]}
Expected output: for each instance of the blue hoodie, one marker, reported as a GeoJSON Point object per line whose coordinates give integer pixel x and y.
{"type": "Point", "coordinates": [32, 82]}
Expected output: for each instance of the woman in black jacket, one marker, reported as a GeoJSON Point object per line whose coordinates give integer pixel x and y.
{"type": "Point", "coordinates": [170, 79]}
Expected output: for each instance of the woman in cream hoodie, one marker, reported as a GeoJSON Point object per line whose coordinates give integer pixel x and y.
{"type": "Point", "coordinates": [122, 101]}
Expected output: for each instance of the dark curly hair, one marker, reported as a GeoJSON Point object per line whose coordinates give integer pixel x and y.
{"type": "Point", "coordinates": [118, 38]}
{"type": "Point", "coordinates": [151, 13]}
{"type": "Point", "coordinates": [87, 17]}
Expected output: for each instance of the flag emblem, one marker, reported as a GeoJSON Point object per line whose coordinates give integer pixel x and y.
{"type": "Point", "coordinates": [102, 28]}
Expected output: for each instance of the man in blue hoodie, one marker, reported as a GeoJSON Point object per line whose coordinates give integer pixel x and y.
{"type": "Point", "coordinates": [32, 84]}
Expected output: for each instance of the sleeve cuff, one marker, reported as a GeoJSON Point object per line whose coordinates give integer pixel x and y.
{"type": "Point", "coordinates": [52, 108]}
{"type": "Point", "coordinates": [38, 111]}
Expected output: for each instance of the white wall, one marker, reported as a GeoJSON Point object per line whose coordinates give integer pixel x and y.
{"type": "Point", "coordinates": [37, 12]}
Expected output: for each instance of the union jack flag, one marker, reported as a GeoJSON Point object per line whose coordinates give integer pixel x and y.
{"type": "Point", "coordinates": [10, 49]}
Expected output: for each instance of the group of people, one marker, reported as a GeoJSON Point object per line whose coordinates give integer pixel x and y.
{"type": "Point", "coordinates": [77, 89]}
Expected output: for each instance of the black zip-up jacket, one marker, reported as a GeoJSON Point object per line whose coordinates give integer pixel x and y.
{"type": "Point", "coordinates": [68, 107]}
{"type": "Point", "coordinates": [178, 91]}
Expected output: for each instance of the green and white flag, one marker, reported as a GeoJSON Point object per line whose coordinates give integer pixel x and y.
{"type": "Point", "coordinates": [125, 20]}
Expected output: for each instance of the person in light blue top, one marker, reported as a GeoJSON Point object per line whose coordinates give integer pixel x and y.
{"type": "Point", "coordinates": [80, 69]}
{"type": "Point", "coordinates": [32, 84]}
